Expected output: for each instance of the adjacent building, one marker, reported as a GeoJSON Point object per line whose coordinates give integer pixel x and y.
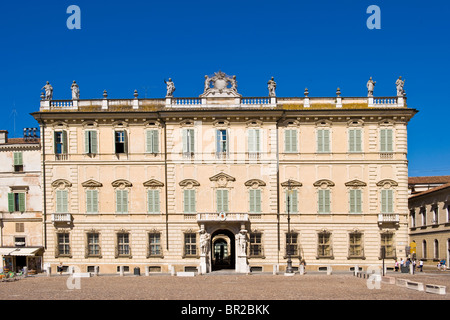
{"type": "Point", "coordinates": [21, 234]}
{"type": "Point", "coordinates": [224, 181]}
{"type": "Point", "coordinates": [430, 219]}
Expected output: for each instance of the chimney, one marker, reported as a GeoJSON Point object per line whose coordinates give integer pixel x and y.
{"type": "Point", "coordinates": [3, 136]}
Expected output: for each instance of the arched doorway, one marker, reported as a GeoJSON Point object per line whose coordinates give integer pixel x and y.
{"type": "Point", "coordinates": [223, 250]}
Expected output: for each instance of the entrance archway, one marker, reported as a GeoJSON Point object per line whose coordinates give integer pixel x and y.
{"type": "Point", "coordinates": [223, 253]}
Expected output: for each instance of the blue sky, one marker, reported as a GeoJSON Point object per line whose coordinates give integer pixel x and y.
{"type": "Point", "coordinates": [322, 45]}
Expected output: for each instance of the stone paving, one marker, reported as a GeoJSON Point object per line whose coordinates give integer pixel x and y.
{"type": "Point", "coordinates": [310, 286]}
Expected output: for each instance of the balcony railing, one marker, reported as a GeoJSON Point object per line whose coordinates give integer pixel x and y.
{"type": "Point", "coordinates": [388, 218]}
{"type": "Point", "coordinates": [206, 217]}
{"type": "Point", "coordinates": [61, 218]}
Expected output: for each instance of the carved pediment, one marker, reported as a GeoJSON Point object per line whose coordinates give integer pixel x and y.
{"type": "Point", "coordinates": [355, 183]}
{"type": "Point", "coordinates": [220, 85]}
{"type": "Point", "coordinates": [61, 183]}
{"type": "Point", "coordinates": [121, 183]}
{"type": "Point", "coordinates": [153, 184]}
{"type": "Point", "coordinates": [387, 182]}
{"type": "Point", "coordinates": [326, 182]}
{"type": "Point", "coordinates": [92, 184]}
{"type": "Point", "coordinates": [255, 182]}
{"type": "Point", "coordinates": [189, 182]}
{"type": "Point", "coordinates": [291, 183]}
{"type": "Point", "coordinates": [221, 176]}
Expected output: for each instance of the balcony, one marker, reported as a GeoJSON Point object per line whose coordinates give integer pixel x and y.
{"type": "Point", "coordinates": [61, 218]}
{"type": "Point", "coordinates": [388, 218]}
{"type": "Point", "coordinates": [222, 217]}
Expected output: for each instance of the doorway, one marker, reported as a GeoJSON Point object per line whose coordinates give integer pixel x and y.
{"type": "Point", "coordinates": [223, 250]}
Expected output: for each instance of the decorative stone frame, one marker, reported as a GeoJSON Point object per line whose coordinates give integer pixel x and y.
{"type": "Point", "coordinates": [296, 254]}
{"type": "Point", "coordinates": [386, 124]}
{"type": "Point", "coordinates": [57, 233]}
{"type": "Point", "coordinates": [290, 124]}
{"type": "Point", "coordinates": [63, 185]}
{"type": "Point", "coordinates": [148, 255]}
{"type": "Point", "coordinates": [387, 184]}
{"type": "Point", "coordinates": [389, 233]}
{"type": "Point", "coordinates": [295, 185]}
{"type": "Point", "coordinates": [86, 251]}
{"type": "Point", "coordinates": [357, 232]}
{"type": "Point", "coordinates": [116, 242]}
{"type": "Point", "coordinates": [321, 125]}
{"type": "Point", "coordinates": [255, 184]}
{"type": "Point", "coordinates": [197, 244]}
{"type": "Point", "coordinates": [189, 184]}
{"type": "Point", "coordinates": [90, 126]}
{"type": "Point", "coordinates": [324, 184]}
{"type": "Point", "coordinates": [122, 184]}
{"type": "Point", "coordinates": [262, 255]}
{"type": "Point", "coordinates": [91, 184]}
{"type": "Point", "coordinates": [153, 184]}
{"type": "Point", "coordinates": [356, 184]}
{"type": "Point", "coordinates": [330, 234]}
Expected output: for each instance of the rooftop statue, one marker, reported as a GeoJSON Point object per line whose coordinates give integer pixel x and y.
{"type": "Point", "coordinates": [370, 87]}
{"type": "Point", "coordinates": [170, 87]}
{"type": "Point", "coordinates": [75, 91]}
{"type": "Point", "coordinates": [272, 85]}
{"type": "Point", "coordinates": [400, 84]}
{"type": "Point", "coordinates": [48, 91]}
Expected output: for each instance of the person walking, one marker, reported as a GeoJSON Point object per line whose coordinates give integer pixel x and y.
{"type": "Point", "coordinates": [396, 265]}
{"type": "Point", "coordinates": [421, 265]}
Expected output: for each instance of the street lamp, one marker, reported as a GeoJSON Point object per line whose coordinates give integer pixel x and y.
{"type": "Point", "coordinates": [289, 261]}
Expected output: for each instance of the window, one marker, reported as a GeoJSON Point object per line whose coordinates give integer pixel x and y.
{"type": "Point", "coordinates": [189, 201]}
{"type": "Point", "coordinates": [91, 201]}
{"type": "Point", "coordinates": [436, 249]}
{"type": "Point", "coordinates": [290, 140]}
{"type": "Point", "coordinates": [291, 195]}
{"type": "Point", "coordinates": [355, 249]}
{"type": "Point", "coordinates": [355, 201]}
{"type": "Point", "coordinates": [324, 201]}
{"type": "Point", "coordinates": [324, 245]}
{"type": "Point", "coordinates": [255, 201]}
{"type": "Point", "coordinates": [424, 249]}
{"type": "Point", "coordinates": [154, 245]}
{"type": "Point", "coordinates": [60, 140]}
{"type": "Point", "coordinates": [387, 201]}
{"type": "Point", "coordinates": [190, 244]}
{"type": "Point", "coordinates": [121, 201]}
{"type": "Point", "coordinates": [435, 210]}
{"type": "Point", "coordinates": [18, 162]}
{"type": "Point", "coordinates": [221, 141]}
{"type": "Point", "coordinates": [93, 244]}
{"type": "Point", "coordinates": [63, 244]}
{"type": "Point", "coordinates": [188, 142]}
{"type": "Point", "coordinates": [387, 244]}
{"type": "Point", "coordinates": [423, 211]}
{"type": "Point", "coordinates": [222, 200]}
{"type": "Point", "coordinates": [19, 241]}
{"type": "Point", "coordinates": [62, 205]}
{"type": "Point", "coordinates": [120, 141]}
{"type": "Point", "coordinates": [292, 244]}
{"type": "Point", "coordinates": [254, 142]}
{"type": "Point", "coordinates": [255, 245]}
{"type": "Point", "coordinates": [20, 227]}
{"type": "Point", "coordinates": [153, 201]}
{"type": "Point", "coordinates": [123, 244]}
{"type": "Point", "coordinates": [16, 202]}
{"type": "Point", "coordinates": [386, 144]}
{"type": "Point", "coordinates": [323, 140]}
{"type": "Point", "coordinates": [354, 140]}
{"type": "Point", "coordinates": [413, 218]}
{"type": "Point", "coordinates": [90, 142]}
{"type": "Point", "coordinates": [152, 141]}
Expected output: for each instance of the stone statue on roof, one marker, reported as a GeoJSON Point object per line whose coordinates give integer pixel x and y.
{"type": "Point", "coordinates": [75, 91]}
{"type": "Point", "coordinates": [48, 91]}
{"type": "Point", "coordinates": [170, 87]}
{"type": "Point", "coordinates": [272, 85]}
{"type": "Point", "coordinates": [370, 87]}
{"type": "Point", "coordinates": [400, 84]}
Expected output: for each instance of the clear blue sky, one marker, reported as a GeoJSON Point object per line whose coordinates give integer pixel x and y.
{"type": "Point", "coordinates": [322, 45]}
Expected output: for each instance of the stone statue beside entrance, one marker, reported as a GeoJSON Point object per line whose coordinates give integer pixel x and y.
{"type": "Point", "coordinates": [204, 242]}
{"type": "Point", "coordinates": [242, 243]}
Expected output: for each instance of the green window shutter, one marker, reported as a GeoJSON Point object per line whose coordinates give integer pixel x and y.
{"type": "Point", "coordinates": [185, 141]}
{"type": "Point", "coordinates": [387, 201]}
{"type": "Point", "coordinates": [119, 201]}
{"type": "Point", "coordinates": [355, 140]}
{"type": "Point", "coordinates": [287, 141]}
{"type": "Point", "coordinates": [252, 200]}
{"type": "Point", "coordinates": [351, 140]}
{"type": "Point", "coordinates": [186, 201]}
{"type": "Point", "coordinates": [326, 140]}
{"type": "Point", "coordinates": [124, 201]}
{"type": "Point", "coordinates": [294, 202]}
{"type": "Point", "coordinates": [94, 142]}
{"type": "Point", "coordinates": [92, 201]}
{"type": "Point", "coordinates": [87, 140]}
{"type": "Point", "coordinates": [11, 202]}
{"type": "Point", "coordinates": [389, 142]}
{"type": "Point", "coordinates": [358, 142]}
{"type": "Point", "coordinates": [192, 201]}
{"type": "Point", "coordinates": [320, 146]}
{"type": "Point", "coordinates": [255, 201]}
{"type": "Point", "coordinates": [251, 140]}
{"type": "Point", "coordinates": [258, 140]}
{"type": "Point", "coordinates": [150, 199]}
{"type": "Point", "coordinates": [65, 201]}
{"type": "Point", "coordinates": [191, 140]}
{"type": "Point", "coordinates": [152, 141]}
{"type": "Point", "coordinates": [61, 201]}
{"type": "Point", "coordinates": [355, 201]}
{"type": "Point", "coordinates": [219, 200]}
{"type": "Point", "coordinates": [64, 142]}
{"type": "Point", "coordinates": [383, 146]}
{"type": "Point", "coordinates": [18, 158]}
{"type": "Point", "coordinates": [125, 142]}
{"type": "Point", "coordinates": [155, 141]}
{"type": "Point", "coordinates": [156, 201]}
{"type": "Point", "coordinates": [324, 201]}
{"type": "Point", "coordinates": [225, 200]}
{"type": "Point", "coordinates": [153, 201]}
{"type": "Point", "coordinates": [95, 201]}
{"type": "Point", "coordinates": [21, 202]}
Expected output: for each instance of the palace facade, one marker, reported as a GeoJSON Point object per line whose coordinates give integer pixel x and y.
{"type": "Point", "coordinates": [223, 181]}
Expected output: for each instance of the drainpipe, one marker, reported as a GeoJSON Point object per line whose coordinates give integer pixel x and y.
{"type": "Point", "coordinates": [44, 181]}
{"type": "Point", "coordinates": [165, 180]}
